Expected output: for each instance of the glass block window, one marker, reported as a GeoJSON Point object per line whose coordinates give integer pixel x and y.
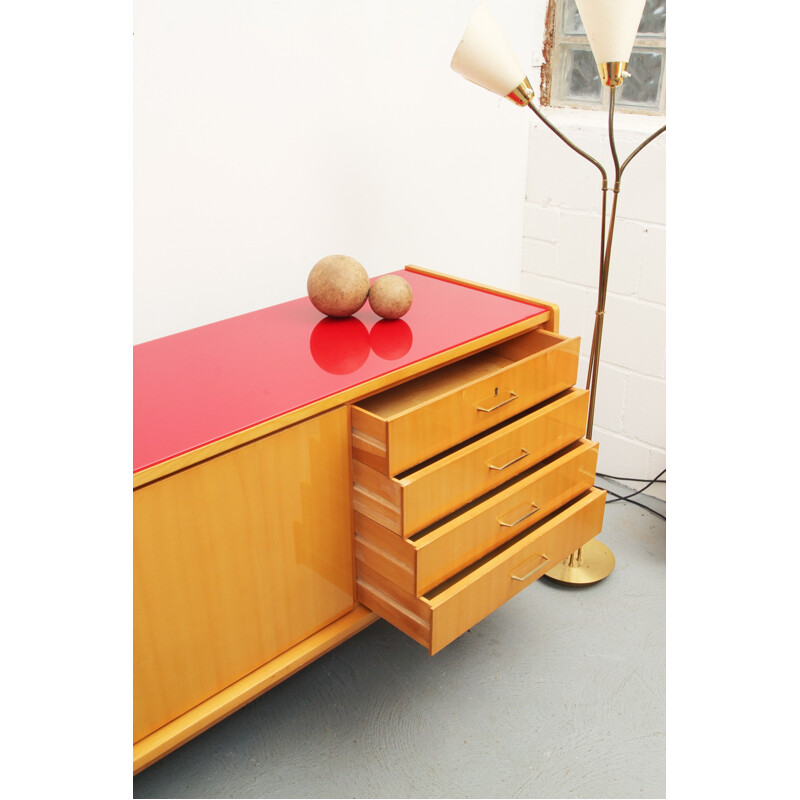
{"type": "Point", "coordinates": [570, 76]}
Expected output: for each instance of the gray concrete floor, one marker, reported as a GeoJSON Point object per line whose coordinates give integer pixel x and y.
{"type": "Point", "coordinates": [560, 693]}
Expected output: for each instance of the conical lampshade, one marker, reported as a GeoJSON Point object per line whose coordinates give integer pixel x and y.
{"type": "Point", "coordinates": [611, 26]}
{"type": "Point", "coordinates": [484, 57]}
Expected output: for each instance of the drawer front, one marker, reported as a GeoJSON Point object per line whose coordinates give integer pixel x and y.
{"type": "Point", "coordinates": [441, 616]}
{"type": "Point", "coordinates": [405, 426]}
{"type": "Point", "coordinates": [462, 605]}
{"type": "Point", "coordinates": [411, 502]}
{"type": "Point", "coordinates": [421, 563]}
{"type": "Point", "coordinates": [456, 545]}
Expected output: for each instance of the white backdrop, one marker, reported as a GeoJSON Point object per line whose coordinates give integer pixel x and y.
{"type": "Point", "coordinates": [270, 133]}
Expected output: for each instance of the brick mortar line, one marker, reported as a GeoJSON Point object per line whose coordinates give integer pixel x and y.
{"type": "Point", "coordinates": [641, 442]}
{"type": "Point", "coordinates": [591, 288]}
{"type": "Point", "coordinates": [627, 370]}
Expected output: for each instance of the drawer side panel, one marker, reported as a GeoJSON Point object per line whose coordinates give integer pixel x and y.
{"type": "Point", "coordinates": [392, 569]}
{"type": "Point", "coordinates": [377, 497]}
{"type": "Point", "coordinates": [369, 439]}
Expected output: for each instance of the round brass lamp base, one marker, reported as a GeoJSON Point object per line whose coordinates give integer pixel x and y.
{"type": "Point", "coordinates": [590, 564]}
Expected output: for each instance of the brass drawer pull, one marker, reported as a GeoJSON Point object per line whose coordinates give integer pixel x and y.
{"type": "Point", "coordinates": [513, 460]}
{"type": "Point", "coordinates": [533, 571]}
{"type": "Point", "coordinates": [534, 509]}
{"type": "Point", "coordinates": [513, 396]}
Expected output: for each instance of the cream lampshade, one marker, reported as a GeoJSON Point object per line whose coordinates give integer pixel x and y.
{"type": "Point", "coordinates": [483, 56]}
{"type": "Point", "coordinates": [611, 27]}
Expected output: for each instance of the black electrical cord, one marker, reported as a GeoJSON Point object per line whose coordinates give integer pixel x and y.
{"type": "Point", "coordinates": [657, 479]}
{"type": "Point", "coordinates": [628, 497]}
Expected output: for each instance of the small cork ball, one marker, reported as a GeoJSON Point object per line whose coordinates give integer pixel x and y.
{"type": "Point", "coordinates": [338, 286]}
{"type": "Point", "coordinates": [390, 296]}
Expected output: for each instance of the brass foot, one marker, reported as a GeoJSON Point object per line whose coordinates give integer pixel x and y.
{"type": "Point", "coordinates": [589, 564]}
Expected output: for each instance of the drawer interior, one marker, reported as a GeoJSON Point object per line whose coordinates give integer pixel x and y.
{"type": "Point", "coordinates": [540, 467]}
{"type": "Point", "coordinates": [408, 475]}
{"type": "Point", "coordinates": [412, 500]}
{"type": "Point", "coordinates": [420, 562]}
{"type": "Point", "coordinates": [401, 399]}
{"type": "Point", "coordinates": [445, 588]}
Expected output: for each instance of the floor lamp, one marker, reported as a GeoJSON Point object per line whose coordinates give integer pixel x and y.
{"type": "Point", "coordinates": [484, 57]}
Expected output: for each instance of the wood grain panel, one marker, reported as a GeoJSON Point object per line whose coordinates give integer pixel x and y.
{"type": "Point", "coordinates": [237, 560]}
{"type": "Point", "coordinates": [201, 717]}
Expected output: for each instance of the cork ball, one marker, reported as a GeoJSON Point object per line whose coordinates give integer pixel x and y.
{"type": "Point", "coordinates": [390, 296]}
{"type": "Point", "coordinates": [338, 286]}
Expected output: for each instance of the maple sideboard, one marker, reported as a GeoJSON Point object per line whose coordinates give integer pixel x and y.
{"type": "Point", "coordinates": [298, 476]}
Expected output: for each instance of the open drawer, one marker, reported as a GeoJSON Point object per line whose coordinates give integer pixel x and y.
{"type": "Point", "coordinates": [409, 502]}
{"type": "Point", "coordinates": [401, 427]}
{"type": "Point", "coordinates": [420, 563]}
{"type": "Point", "coordinates": [443, 614]}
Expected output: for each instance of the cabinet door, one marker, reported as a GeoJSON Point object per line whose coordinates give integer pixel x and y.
{"type": "Point", "coordinates": [236, 560]}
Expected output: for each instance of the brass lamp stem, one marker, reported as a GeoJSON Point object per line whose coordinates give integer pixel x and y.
{"type": "Point", "coordinates": [566, 141]}
{"type": "Point", "coordinates": [576, 569]}
{"type": "Point", "coordinates": [605, 257]}
{"type": "Point", "coordinates": [605, 262]}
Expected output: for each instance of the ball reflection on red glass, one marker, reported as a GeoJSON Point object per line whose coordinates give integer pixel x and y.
{"type": "Point", "coordinates": [391, 339]}
{"type": "Point", "coordinates": [339, 346]}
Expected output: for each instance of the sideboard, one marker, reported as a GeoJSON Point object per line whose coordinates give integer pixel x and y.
{"type": "Point", "coordinates": [296, 477]}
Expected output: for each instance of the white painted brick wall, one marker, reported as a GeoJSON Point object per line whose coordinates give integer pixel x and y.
{"type": "Point", "coordinates": [561, 259]}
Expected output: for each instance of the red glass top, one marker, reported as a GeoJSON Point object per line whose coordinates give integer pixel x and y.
{"type": "Point", "coordinates": [201, 385]}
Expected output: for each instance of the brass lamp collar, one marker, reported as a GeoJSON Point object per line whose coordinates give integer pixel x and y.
{"type": "Point", "coordinates": [522, 94]}
{"type": "Point", "coordinates": [612, 73]}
